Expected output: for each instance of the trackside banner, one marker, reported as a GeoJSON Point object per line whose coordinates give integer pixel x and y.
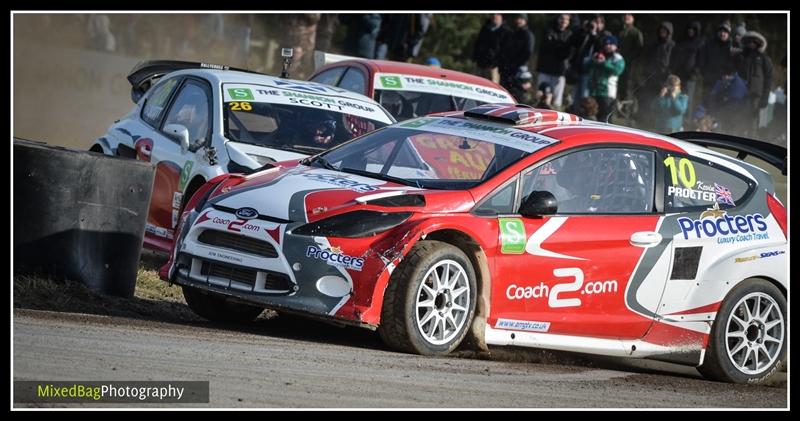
{"type": "Point", "coordinates": [488, 132]}
{"type": "Point", "coordinates": [398, 82]}
{"type": "Point", "coordinates": [273, 95]}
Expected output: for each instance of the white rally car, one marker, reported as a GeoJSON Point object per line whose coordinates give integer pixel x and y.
{"type": "Point", "coordinates": [199, 121]}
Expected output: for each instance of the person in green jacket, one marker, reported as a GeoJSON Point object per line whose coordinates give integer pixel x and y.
{"type": "Point", "coordinates": [604, 70]}
{"type": "Point", "coordinates": [669, 106]}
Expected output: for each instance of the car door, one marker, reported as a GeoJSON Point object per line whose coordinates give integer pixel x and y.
{"type": "Point", "coordinates": [595, 268]}
{"type": "Point", "coordinates": [190, 107]}
{"type": "Point", "coordinates": [707, 223]}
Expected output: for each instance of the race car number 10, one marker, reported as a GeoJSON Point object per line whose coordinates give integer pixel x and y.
{"type": "Point", "coordinates": [684, 170]}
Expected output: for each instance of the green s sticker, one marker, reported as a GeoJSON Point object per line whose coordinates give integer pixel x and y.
{"type": "Point", "coordinates": [512, 236]}
{"type": "Point", "coordinates": [187, 170]}
{"type": "Point", "coordinates": [391, 82]}
{"type": "Point", "coordinates": [241, 93]}
{"type": "Point", "coordinates": [417, 123]}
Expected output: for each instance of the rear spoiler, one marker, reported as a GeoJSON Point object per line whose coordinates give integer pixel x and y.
{"type": "Point", "coordinates": [145, 73]}
{"type": "Point", "coordinates": [322, 58]}
{"type": "Point", "coordinates": [773, 154]}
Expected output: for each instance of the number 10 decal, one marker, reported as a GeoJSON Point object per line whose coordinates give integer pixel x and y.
{"type": "Point", "coordinates": [553, 301]}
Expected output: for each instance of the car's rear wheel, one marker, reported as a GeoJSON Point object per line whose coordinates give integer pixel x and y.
{"type": "Point", "coordinates": [216, 308]}
{"type": "Point", "coordinates": [429, 303]}
{"type": "Point", "coordinates": [748, 339]}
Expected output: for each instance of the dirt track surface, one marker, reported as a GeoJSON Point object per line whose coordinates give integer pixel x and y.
{"type": "Point", "coordinates": [294, 363]}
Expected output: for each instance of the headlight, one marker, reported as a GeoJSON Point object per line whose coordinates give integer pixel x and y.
{"type": "Point", "coordinates": [361, 223]}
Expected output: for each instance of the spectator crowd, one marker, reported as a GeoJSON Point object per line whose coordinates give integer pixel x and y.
{"type": "Point", "coordinates": [670, 80]}
{"type": "Point", "coordinates": [665, 82]}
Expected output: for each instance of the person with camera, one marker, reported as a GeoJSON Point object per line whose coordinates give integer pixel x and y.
{"type": "Point", "coordinates": [585, 44]}
{"type": "Point", "coordinates": [605, 67]}
{"type": "Point", "coordinates": [670, 106]}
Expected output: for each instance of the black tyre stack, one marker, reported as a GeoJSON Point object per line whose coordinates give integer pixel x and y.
{"type": "Point", "coordinates": [79, 215]}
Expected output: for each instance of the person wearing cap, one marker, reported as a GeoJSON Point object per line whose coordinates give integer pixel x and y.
{"type": "Point", "coordinates": [516, 49]}
{"type": "Point", "coordinates": [523, 84]}
{"type": "Point", "coordinates": [738, 33]}
{"type": "Point", "coordinates": [433, 62]}
{"type": "Point", "coordinates": [755, 68]}
{"type": "Point", "coordinates": [554, 57]}
{"type": "Point", "coordinates": [605, 67]}
{"type": "Point", "coordinates": [714, 57]}
{"type": "Point", "coordinates": [585, 43]}
{"type": "Point", "coordinates": [728, 98]}
{"type": "Point", "coordinates": [670, 106]}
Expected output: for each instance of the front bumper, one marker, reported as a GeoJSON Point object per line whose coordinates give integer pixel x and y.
{"type": "Point", "coordinates": [258, 262]}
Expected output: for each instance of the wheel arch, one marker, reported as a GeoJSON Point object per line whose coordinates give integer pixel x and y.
{"type": "Point", "coordinates": [101, 146]}
{"type": "Point", "coordinates": [475, 338]}
{"type": "Point", "coordinates": [191, 188]}
{"type": "Point", "coordinates": [774, 282]}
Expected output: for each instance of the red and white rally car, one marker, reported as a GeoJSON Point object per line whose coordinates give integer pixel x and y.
{"type": "Point", "coordinates": [512, 225]}
{"type": "Point", "coordinates": [408, 90]}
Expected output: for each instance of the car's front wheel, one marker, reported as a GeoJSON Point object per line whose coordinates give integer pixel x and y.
{"type": "Point", "coordinates": [216, 308]}
{"type": "Point", "coordinates": [429, 303]}
{"type": "Point", "coordinates": [748, 339]}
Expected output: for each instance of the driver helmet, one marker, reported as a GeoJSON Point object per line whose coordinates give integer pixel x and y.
{"type": "Point", "coordinates": [392, 102]}
{"type": "Point", "coordinates": [324, 131]}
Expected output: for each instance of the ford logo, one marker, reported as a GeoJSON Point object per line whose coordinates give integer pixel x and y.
{"type": "Point", "coordinates": [246, 213]}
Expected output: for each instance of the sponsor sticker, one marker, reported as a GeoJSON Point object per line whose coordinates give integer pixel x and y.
{"type": "Point", "coordinates": [717, 224]}
{"type": "Point", "coordinates": [177, 197]}
{"type": "Point", "coordinates": [512, 236]}
{"type": "Point", "coordinates": [342, 181]}
{"type": "Point", "coordinates": [393, 81]}
{"type": "Point", "coordinates": [563, 294]}
{"type": "Point", "coordinates": [317, 98]}
{"type": "Point", "coordinates": [760, 256]}
{"type": "Point", "coordinates": [185, 172]}
{"type": "Point", "coordinates": [527, 325]}
{"type": "Point", "coordinates": [486, 131]}
{"type": "Point", "coordinates": [241, 94]}
{"type": "Point", "coordinates": [214, 254]}
{"type": "Point", "coordinates": [175, 216]}
{"type": "Point", "coordinates": [334, 257]}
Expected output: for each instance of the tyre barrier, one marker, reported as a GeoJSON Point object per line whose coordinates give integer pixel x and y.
{"type": "Point", "coordinates": [79, 215]}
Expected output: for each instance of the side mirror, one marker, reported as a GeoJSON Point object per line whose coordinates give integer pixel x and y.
{"type": "Point", "coordinates": [179, 133]}
{"type": "Point", "coordinates": [539, 203]}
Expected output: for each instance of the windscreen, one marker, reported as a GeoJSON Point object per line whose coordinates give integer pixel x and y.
{"type": "Point", "coordinates": [302, 122]}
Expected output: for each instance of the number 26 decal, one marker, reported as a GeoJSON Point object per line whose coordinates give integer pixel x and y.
{"type": "Point", "coordinates": [241, 106]}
